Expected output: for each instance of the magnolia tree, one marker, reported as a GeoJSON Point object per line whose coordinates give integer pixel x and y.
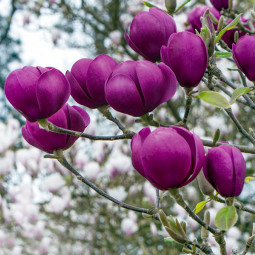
{"type": "Point", "coordinates": [65, 194]}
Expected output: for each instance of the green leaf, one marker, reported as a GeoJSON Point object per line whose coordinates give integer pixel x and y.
{"type": "Point", "coordinates": [226, 218]}
{"type": "Point", "coordinates": [168, 240]}
{"type": "Point", "coordinates": [148, 4]}
{"type": "Point", "coordinates": [182, 5]}
{"type": "Point", "coordinates": [238, 93]}
{"type": "Point", "coordinates": [228, 27]}
{"type": "Point", "coordinates": [214, 98]}
{"type": "Point", "coordinates": [223, 54]}
{"type": "Point", "coordinates": [200, 206]}
{"type": "Point", "coordinates": [248, 179]}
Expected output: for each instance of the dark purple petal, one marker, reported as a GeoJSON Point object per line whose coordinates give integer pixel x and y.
{"type": "Point", "coordinates": [78, 94]}
{"type": "Point", "coordinates": [76, 123]}
{"type": "Point", "coordinates": [163, 55]}
{"type": "Point", "coordinates": [84, 115]}
{"type": "Point", "coordinates": [32, 141]}
{"type": "Point", "coordinates": [240, 170]}
{"type": "Point", "coordinates": [147, 34]}
{"type": "Point", "coordinates": [166, 20]}
{"type": "Point", "coordinates": [97, 74]}
{"type": "Point", "coordinates": [220, 170]}
{"type": "Point", "coordinates": [79, 71]}
{"type": "Point", "coordinates": [150, 80]}
{"type": "Point", "coordinates": [136, 147]}
{"type": "Point", "coordinates": [20, 91]}
{"type": "Point", "coordinates": [52, 92]}
{"type": "Point", "coordinates": [170, 83]}
{"type": "Point", "coordinates": [243, 60]}
{"type": "Point", "coordinates": [122, 95]}
{"type": "Point", "coordinates": [188, 58]}
{"type": "Point", "coordinates": [219, 4]}
{"type": "Point", "coordinates": [166, 156]}
{"type": "Point", "coordinates": [133, 46]}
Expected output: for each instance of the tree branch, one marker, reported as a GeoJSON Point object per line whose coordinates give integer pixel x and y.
{"type": "Point", "coordinates": [59, 156]}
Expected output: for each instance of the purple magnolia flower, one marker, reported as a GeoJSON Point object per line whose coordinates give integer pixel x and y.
{"type": "Point", "coordinates": [229, 36]}
{"type": "Point", "coordinates": [168, 157]}
{"type": "Point", "coordinates": [198, 12]}
{"type": "Point", "coordinates": [220, 4]}
{"type": "Point", "coordinates": [87, 79]}
{"type": "Point", "coordinates": [138, 87]}
{"type": "Point", "coordinates": [187, 56]}
{"type": "Point", "coordinates": [245, 58]}
{"type": "Point", "coordinates": [149, 31]}
{"type": "Point", "coordinates": [37, 92]}
{"type": "Point", "coordinates": [225, 170]}
{"type": "Point", "coordinates": [69, 117]}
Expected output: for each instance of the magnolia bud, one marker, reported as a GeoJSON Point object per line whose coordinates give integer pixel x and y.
{"type": "Point", "coordinates": [236, 36]}
{"type": "Point", "coordinates": [204, 231]}
{"type": "Point", "coordinates": [253, 14]}
{"type": "Point", "coordinates": [170, 5]}
{"type": "Point", "coordinates": [220, 24]}
{"type": "Point", "coordinates": [205, 187]}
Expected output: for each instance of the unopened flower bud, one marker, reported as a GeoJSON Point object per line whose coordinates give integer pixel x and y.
{"type": "Point", "coordinates": [220, 23]}
{"type": "Point", "coordinates": [253, 14]}
{"type": "Point", "coordinates": [236, 36]}
{"type": "Point", "coordinates": [205, 187]}
{"type": "Point", "coordinates": [170, 5]}
{"type": "Point", "coordinates": [204, 231]}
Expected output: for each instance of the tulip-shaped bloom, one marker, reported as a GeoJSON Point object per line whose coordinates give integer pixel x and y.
{"type": "Point", "coordinates": [225, 170]}
{"type": "Point", "coordinates": [220, 4]}
{"type": "Point", "coordinates": [168, 157]}
{"type": "Point", "coordinates": [69, 117]}
{"type": "Point", "coordinates": [187, 56]}
{"type": "Point", "coordinates": [229, 36]}
{"type": "Point", "coordinates": [87, 79]}
{"type": "Point", "coordinates": [37, 92]}
{"type": "Point", "coordinates": [244, 55]}
{"type": "Point", "coordinates": [198, 12]}
{"type": "Point", "coordinates": [138, 87]}
{"type": "Point", "coordinates": [149, 31]}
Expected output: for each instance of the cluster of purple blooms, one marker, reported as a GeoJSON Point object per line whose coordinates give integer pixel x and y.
{"type": "Point", "coordinates": [169, 157]}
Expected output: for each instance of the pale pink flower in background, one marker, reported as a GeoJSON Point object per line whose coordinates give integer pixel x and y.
{"type": "Point", "coordinates": [126, 19]}
{"type": "Point", "coordinates": [45, 246]}
{"type": "Point", "coordinates": [115, 37]}
{"type": "Point", "coordinates": [57, 205]}
{"type": "Point", "coordinates": [53, 183]}
{"type": "Point", "coordinates": [38, 229]}
{"type": "Point", "coordinates": [134, 189]}
{"type": "Point", "coordinates": [234, 233]}
{"type": "Point", "coordinates": [2, 238]}
{"type": "Point", "coordinates": [55, 35]}
{"type": "Point", "coordinates": [92, 171]}
{"type": "Point", "coordinates": [7, 163]}
{"type": "Point", "coordinates": [26, 17]}
{"type": "Point", "coordinates": [154, 230]}
{"type": "Point", "coordinates": [6, 211]}
{"type": "Point", "coordinates": [80, 159]}
{"type": "Point", "coordinates": [150, 192]}
{"type": "Point", "coordinates": [118, 193]}
{"type": "Point", "coordinates": [118, 164]}
{"type": "Point", "coordinates": [98, 153]}
{"type": "Point", "coordinates": [17, 250]}
{"type": "Point", "coordinates": [128, 226]}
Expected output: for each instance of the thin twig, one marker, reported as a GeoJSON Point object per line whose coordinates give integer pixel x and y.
{"type": "Point", "coordinates": [130, 134]}
{"type": "Point", "coordinates": [188, 106]}
{"type": "Point", "coordinates": [238, 205]}
{"type": "Point", "coordinates": [180, 201]}
{"type": "Point", "coordinates": [65, 163]}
